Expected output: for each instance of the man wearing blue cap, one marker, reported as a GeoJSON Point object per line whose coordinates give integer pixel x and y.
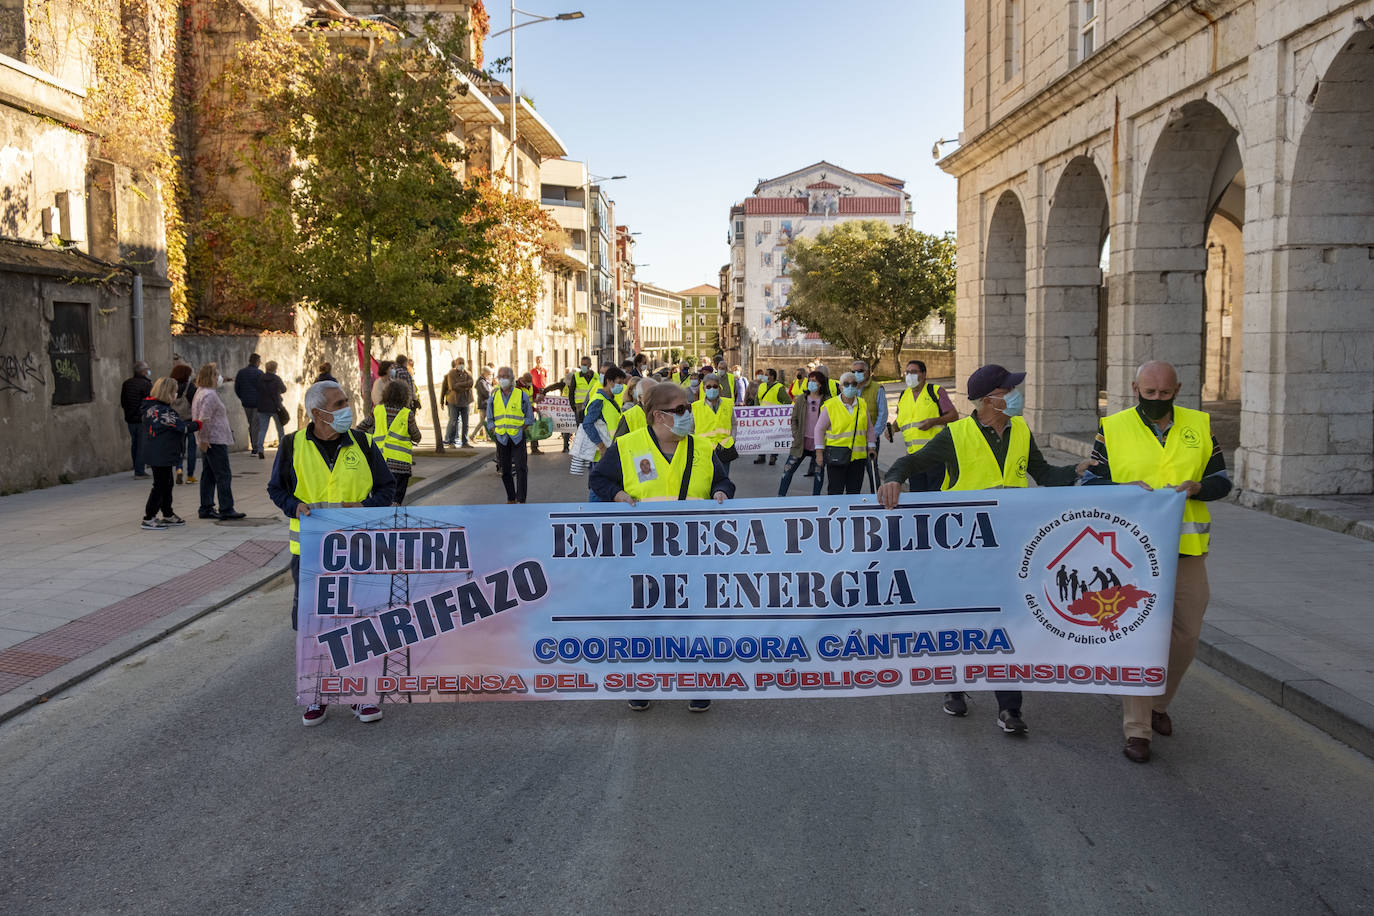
{"type": "Point", "coordinates": [991, 448]}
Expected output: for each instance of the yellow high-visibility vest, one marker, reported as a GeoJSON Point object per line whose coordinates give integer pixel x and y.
{"type": "Point", "coordinates": [1134, 453]}
{"type": "Point", "coordinates": [978, 468]}
{"type": "Point", "coordinates": [714, 425]}
{"type": "Point", "coordinates": [349, 481]}
{"type": "Point", "coordinates": [911, 410]}
{"type": "Point", "coordinates": [393, 440]}
{"type": "Point", "coordinates": [610, 413]}
{"type": "Point", "coordinates": [847, 428]}
{"type": "Point", "coordinates": [645, 474]}
{"type": "Point", "coordinates": [798, 388]}
{"type": "Point", "coordinates": [508, 411]}
{"type": "Point", "coordinates": [770, 394]}
{"type": "Point", "coordinates": [634, 419]}
{"type": "Point", "coordinates": [583, 388]}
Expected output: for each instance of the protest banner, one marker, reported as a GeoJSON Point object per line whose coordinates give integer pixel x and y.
{"type": "Point", "coordinates": [763, 429]}
{"type": "Point", "coordinates": [1041, 589]}
{"type": "Point", "coordinates": [558, 408]}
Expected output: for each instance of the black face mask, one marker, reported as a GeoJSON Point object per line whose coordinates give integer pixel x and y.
{"type": "Point", "coordinates": [1155, 410]}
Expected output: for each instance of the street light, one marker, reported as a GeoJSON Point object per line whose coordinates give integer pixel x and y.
{"type": "Point", "coordinates": [514, 98]}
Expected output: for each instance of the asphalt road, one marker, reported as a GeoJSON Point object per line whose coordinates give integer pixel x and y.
{"type": "Point", "coordinates": [181, 781]}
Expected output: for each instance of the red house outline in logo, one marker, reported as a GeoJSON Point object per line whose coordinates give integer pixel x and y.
{"type": "Point", "coordinates": [1100, 608]}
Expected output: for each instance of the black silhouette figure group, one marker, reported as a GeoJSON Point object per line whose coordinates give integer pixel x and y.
{"type": "Point", "coordinates": [1072, 585]}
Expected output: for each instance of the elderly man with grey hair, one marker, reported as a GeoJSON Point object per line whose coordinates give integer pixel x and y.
{"type": "Point", "coordinates": [327, 463]}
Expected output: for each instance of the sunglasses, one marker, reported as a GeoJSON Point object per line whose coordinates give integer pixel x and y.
{"type": "Point", "coordinates": [679, 410]}
{"type": "Point", "coordinates": [712, 387]}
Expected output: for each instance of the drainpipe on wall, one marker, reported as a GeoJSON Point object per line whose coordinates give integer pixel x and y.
{"type": "Point", "coordinates": [138, 317]}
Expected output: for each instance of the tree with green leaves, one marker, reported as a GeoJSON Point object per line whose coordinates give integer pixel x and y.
{"type": "Point", "coordinates": [364, 214]}
{"type": "Point", "coordinates": [866, 282]}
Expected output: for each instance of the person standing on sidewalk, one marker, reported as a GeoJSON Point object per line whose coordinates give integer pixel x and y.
{"type": "Point", "coordinates": [393, 429]}
{"type": "Point", "coordinates": [324, 464]}
{"type": "Point", "coordinates": [539, 376]}
{"type": "Point", "coordinates": [213, 440]}
{"type": "Point", "coordinates": [186, 392]}
{"type": "Point", "coordinates": [1157, 444]}
{"type": "Point", "coordinates": [989, 449]}
{"type": "Point", "coordinates": [663, 461]}
{"type": "Point", "coordinates": [767, 391]}
{"type": "Point", "coordinates": [385, 373]}
{"type": "Point", "coordinates": [402, 374]}
{"type": "Point", "coordinates": [922, 410]}
{"type": "Point", "coordinates": [246, 390]}
{"type": "Point", "coordinates": [132, 393]}
{"type": "Point", "coordinates": [164, 437]}
{"type": "Point", "coordinates": [326, 373]}
{"type": "Point", "coordinates": [456, 392]}
{"type": "Point", "coordinates": [483, 388]}
{"type": "Point", "coordinates": [270, 406]}
{"type": "Point", "coordinates": [508, 413]}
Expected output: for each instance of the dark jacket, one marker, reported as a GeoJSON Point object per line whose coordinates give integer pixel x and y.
{"type": "Point", "coordinates": [162, 433]}
{"type": "Point", "coordinates": [131, 395]}
{"type": "Point", "coordinates": [270, 390]}
{"type": "Point", "coordinates": [246, 385]}
{"type": "Point", "coordinates": [281, 488]}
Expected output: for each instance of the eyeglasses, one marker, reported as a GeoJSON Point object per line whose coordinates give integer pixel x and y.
{"type": "Point", "coordinates": [679, 410]}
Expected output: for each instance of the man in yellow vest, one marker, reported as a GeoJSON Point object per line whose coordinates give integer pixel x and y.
{"type": "Point", "coordinates": [714, 415]}
{"type": "Point", "coordinates": [604, 409]}
{"type": "Point", "coordinates": [327, 464]}
{"type": "Point", "coordinates": [1157, 444]}
{"type": "Point", "coordinates": [798, 384]}
{"type": "Point", "coordinates": [875, 399]}
{"type": "Point", "coordinates": [922, 410]}
{"type": "Point", "coordinates": [509, 413]}
{"type": "Point", "coordinates": [991, 448]}
{"type": "Point", "coordinates": [767, 391]}
{"type": "Point", "coordinates": [663, 461]}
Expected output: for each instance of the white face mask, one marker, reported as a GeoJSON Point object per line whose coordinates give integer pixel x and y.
{"type": "Point", "coordinates": [912, 379]}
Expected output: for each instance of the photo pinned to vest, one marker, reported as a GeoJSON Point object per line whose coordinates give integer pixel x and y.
{"type": "Point", "coordinates": [645, 469]}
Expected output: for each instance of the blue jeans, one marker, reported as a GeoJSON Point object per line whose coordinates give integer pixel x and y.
{"type": "Point", "coordinates": [456, 415]}
{"type": "Point", "coordinates": [791, 468]}
{"type": "Point", "coordinates": [260, 434]}
{"type": "Point", "coordinates": [135, 453]}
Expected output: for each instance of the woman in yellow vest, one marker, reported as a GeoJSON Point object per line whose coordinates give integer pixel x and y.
{"type": "Point", "coordinates": [767, 391]}
{"type": "Point", "coordinates": [805, 412]}
{"type": "Point", "coordinates": [844, 434]}
{"type": "Point", "coordinates": [989, 449]}
{"type": "Point", "coordinates": [327, 463]}
{"type": "Point", "coordinates": [1158, 444]}
{"type": "Point", "coordinates": [395, 432]}
{"type": "Point", "coordinates": [663, 461]}
{"type": "Point", "coordinates": [714, 414]}
{"type": "Point", "coordinates": [602, 418]}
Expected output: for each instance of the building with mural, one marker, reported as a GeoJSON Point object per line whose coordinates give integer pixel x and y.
{"type": "Point", "coordinates": [781, 210]}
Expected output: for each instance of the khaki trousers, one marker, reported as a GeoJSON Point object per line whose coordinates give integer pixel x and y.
{"type": "Point", "coordinates": [1190, 602]}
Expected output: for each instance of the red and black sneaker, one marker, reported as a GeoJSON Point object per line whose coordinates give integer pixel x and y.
{"type": "Point", "coordinates": [367, 712]}
{"type": "Point", "coordinates": [314, 714]}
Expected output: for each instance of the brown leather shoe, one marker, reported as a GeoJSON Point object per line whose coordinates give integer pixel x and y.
{"type": "Point", "coordinates": [1137, 750]}
{"type": "Point", "coordinates": [1161, 723]}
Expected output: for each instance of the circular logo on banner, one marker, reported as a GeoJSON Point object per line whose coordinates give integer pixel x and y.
{"type": "Point", "coordinates": [1090, 572]}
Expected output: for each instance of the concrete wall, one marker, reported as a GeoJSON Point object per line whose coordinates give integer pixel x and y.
{"type": "Point", "coordinates": [1141, 141]}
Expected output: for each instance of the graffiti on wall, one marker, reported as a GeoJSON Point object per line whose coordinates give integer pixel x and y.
{"type": "Point", "coordinates": [18, 374]}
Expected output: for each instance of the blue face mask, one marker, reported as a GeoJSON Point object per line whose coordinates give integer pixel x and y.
{"type": "Point", "coordinates": [851, 390]}
{"type": "Point", "coordinates": [712, 393]}
{"type": "Point", "coordinates": [683, 425]}
{"type": "Point", "coordinates": [860, 375]}
{"type": "Point", "coordinates": [343, 420]}
{"type": "Point", "coordinates": [601, 378]}
{"type": "Point", "coordinates": [1016, 402]}
{"type": "Point", "coordinates": [813, 386]}
{"type": "Point", "coordinates": [617, 388]}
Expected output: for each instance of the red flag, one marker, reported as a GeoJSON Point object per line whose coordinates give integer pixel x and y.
{"type": "Point", "coordinates": [369, 372]}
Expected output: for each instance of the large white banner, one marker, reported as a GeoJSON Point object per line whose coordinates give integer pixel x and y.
{"type": "Point", "coordinates": [763, 429]}
{"type": "Point", "coordinates": [1066, 589]}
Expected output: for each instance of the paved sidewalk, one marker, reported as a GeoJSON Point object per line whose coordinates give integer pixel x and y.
{"type": "Point", "coordinates": [86, 586]}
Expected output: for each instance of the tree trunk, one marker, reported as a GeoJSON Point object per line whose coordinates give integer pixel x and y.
{"type": "Point", "coordinates": [897, 342]}
{"type": "Point", "coordinates": [366, 367]}
{"type": "Point", "coordinates": [433, 400]}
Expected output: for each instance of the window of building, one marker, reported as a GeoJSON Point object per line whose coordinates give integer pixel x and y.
{"type": "Point", "coordinates": [69, 349]}
{"type": "Point", "coordinates": [1089, 27]}
{"type": "Point", "coordinates": [739, 227]}
{"type": "Point", "coordinates": [579, 239]}
{"type": "Point", "coordinates": [581, 282]}
{"type": "Point", "coordinates": [768, 227]}
{"type": "Point", "coordinates": [1011, 39]}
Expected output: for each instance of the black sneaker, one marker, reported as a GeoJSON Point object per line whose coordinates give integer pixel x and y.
{"type": "Point", "coordinates": [1010, 721]}
{"type": "Point", "coordinates": [760, 459]}
{"type": "Point", "coordinates": [955, 704]}
{"type": "Point", "coordinates": [639, 705]}
{"type": "Point", "coordinates": [231, 514]}
{"type": "Point", "coordinates": [698, 705]}
{"type": "Point", "coordinates": [211, 514]}
{"type": "Point", "coordinates": [772, 460]}
{"type": "Point", "coordinates": [173, 520]}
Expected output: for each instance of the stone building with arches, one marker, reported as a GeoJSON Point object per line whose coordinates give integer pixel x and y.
{"type": "Point", "coordinates": [1189, 181]}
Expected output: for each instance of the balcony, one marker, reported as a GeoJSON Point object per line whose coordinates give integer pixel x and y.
{"type": "Point", "coordinates": [558, 202]}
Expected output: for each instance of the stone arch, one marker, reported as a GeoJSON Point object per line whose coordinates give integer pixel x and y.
{"type": "Point", "coordinates": [1162, 315]}
{"type": "Point", "coordinates": [1003, 311]}
{"type": "Point", "coordinates": [1325, 435]}
{"type": "Point", "coordinates": [1062, 325]}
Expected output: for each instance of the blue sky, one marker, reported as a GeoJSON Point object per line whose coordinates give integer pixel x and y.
{"type": "Point", "coordinates": [696, 101]}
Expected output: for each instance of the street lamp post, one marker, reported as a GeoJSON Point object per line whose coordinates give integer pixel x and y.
{"type": "Point", "coordinates": [514, 99]}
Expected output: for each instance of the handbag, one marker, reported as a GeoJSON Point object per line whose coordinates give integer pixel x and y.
{"type": "Point", "coordinates": [727, 453]}
{"type": "Point", "coordinates": [836, 455]}
{"type": "Point", "coordinates": [541, 429]}
{"type": "Point", "coordinates": [283, 416]}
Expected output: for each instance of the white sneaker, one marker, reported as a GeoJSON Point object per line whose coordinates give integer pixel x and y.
{"type": "Point", "coordinates": [153, 524]}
